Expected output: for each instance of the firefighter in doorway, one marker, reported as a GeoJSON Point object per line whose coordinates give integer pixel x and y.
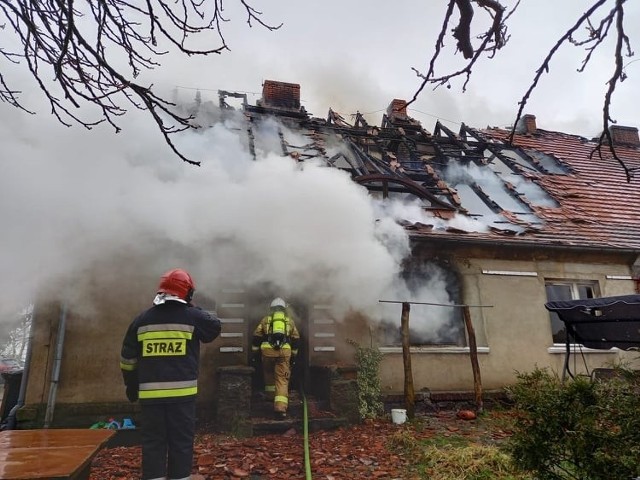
{"type": "Point", "coordinates": [276, 340]}
{"type": "Point", "coordinates": [159, 363]}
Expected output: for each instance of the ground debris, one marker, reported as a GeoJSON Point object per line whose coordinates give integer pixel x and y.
{"type": "Point", "coordinates": [354, 452]}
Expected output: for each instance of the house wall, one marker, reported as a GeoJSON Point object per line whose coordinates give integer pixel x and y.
{"type": "Point", "coordinates": [513, 333]}
{"type": "Point", "coordinates": [99, 310]}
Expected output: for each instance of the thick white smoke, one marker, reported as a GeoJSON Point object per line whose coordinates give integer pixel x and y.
{"type": "Point", "coordinates": [71, 198]}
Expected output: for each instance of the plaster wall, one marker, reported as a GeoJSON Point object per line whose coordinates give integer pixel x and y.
{"type": "Point", "coordinates": [513, 332]}
{"type": "Point", "coordinates": [95, 323]}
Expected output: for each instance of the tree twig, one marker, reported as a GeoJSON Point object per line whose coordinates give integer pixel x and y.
{"type": "Point", "coordinates": [76, 40]}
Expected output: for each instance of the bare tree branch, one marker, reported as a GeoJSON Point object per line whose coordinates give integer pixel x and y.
{"type": "Point", "coordinates": [544, 68]}
{"type": "Point", "coordinates": [618, 75]}
{"type": "Point", "coordinates": [495, 37]}
{"type": "Point", "coordinates": [594, 39]}
{"type": "Point", "coordinates": [80, 41]}
{"type": "Point", "coordinates": [492, 40]}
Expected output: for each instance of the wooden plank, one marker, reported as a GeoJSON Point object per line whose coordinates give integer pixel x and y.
{"type": "Point", "coordinates": [55, 437]}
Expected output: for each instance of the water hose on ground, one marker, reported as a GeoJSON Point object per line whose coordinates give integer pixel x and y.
{"type": "Point", "coordinates": [305, 432]}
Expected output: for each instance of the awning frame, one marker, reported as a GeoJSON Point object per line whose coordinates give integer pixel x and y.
{"type": "Point", "coordinates": [591, 322]}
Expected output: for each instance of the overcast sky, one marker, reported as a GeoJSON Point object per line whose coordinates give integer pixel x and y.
{"type": "Point", "coordinates": [69, 196]}
{"type": "Point", "coordinates": [353, 58]}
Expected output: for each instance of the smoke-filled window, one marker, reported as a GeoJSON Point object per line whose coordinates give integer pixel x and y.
{"type": "Point", "coordinates": [558, 290]}
{"type": "Point", "coordinates": [434, 324]}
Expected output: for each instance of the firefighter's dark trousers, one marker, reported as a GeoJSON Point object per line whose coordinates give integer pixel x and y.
{"type": "Point", "coordinates": [167, 439]}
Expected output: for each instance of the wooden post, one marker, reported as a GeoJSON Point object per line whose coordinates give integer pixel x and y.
{"type": "Point", "coordinates": [409, 395]}
{"type": "Point", "coordinates": [473, 352]}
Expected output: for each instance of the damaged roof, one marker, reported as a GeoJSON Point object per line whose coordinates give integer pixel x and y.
{"type": "Point", "coordinates": [545, 188]}
{"type": "Point", "coordinates": [596, 205]}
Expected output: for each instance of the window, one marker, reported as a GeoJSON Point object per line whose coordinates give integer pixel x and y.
{"type": "Point", "coordinates": [558, 290]}
{"type": "Point", "coordinates": [429, 325]}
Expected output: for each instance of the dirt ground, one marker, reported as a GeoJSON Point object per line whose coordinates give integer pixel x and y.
{"type": "Point", "coordinates": [357, 452]}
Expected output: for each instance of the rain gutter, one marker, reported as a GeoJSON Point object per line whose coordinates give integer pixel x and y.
{"type": "Point", "coordinates": [520, 244]}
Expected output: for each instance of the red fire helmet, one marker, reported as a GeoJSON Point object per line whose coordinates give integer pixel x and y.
{"type": "Point", "coordinates": [177, 282]}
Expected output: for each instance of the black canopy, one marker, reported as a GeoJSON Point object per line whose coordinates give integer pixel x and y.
{"type": "Point", "coordinates": [601, 323]}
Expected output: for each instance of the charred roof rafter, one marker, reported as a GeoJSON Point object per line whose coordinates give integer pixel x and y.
{"type": "Point", "coordinates": [392, 137]}
{"type": "Point", "coordinates": [251, 137]}
{"type": "Point", "coordinates": [407, 185]}
{"type": "Point", "coordinates": [360, 121]}
{"type": "Point", "coordinates": [301, 150]}
{"type": "Point", "coordinates": [486, 198]}
{"type": "Point", "coordinates": [365, 168]}
{"type": "Point", "coordinates": [405, 124]}
{"type": "Point", "coordinates": [389, 174]}
{"type": "Point", "coordinates": [450, 145]}
{"type": "Point", "coordinates": [223, 94]}
{"type": "Point", "coordinates": [496, 147]}
{"type": "Point", "coordinates": [395, 145]}
{"type": "Point", "coordinates": [496, 150]}
{"type": "Point", "coordinates": [356, 170]}
{"type": "Point", "coordinates": [377, 165]}
{"type": "Point", "coordinates": [334, 118]}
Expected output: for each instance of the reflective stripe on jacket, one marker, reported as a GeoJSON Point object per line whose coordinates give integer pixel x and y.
{"type": "Point", "coordinates": [155, 390]}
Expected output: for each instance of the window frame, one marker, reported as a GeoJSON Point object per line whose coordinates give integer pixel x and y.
{"type": "Point", "coordinates": [389, 328]}
{"type": "Point", "coordinates": [429, 273]}
{"type": "Point", "coordinates": [574, 285]}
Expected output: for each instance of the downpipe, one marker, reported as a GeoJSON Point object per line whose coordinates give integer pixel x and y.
{"type": "Point", "coordinates": [55, 375]}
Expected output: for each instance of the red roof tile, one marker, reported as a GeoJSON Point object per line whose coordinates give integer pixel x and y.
{"type": "Point", "coordinates": [597, 207]}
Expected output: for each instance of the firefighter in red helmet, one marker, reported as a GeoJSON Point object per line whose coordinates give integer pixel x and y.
{"type": "Point", "coordinates": [159, 363]}
{"type": "Point", "coordinates": [276, 341]}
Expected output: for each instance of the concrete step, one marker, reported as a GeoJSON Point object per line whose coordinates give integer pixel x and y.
{"type": "Point", "coordinates": [263, 407]}
{"type": "Point", "coordinates": [318, 415]}
{"type": "Point", "coordinates": [269, 426]}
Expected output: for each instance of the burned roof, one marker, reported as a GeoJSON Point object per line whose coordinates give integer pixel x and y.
{"type": "Point", "coordinates": [543, 189]}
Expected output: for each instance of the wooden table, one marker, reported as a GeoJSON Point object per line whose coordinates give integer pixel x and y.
{"type": "Point", "coordinates": [50, 454]}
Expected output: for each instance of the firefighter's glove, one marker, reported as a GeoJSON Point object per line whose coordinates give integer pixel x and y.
{"type": "Point", "coordinates": [132, 393]}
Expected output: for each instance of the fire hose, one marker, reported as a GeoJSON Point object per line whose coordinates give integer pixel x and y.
{"type": "Point", "coordinates": [305, 430]}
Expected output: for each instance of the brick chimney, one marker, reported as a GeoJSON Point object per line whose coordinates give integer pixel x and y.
{"type": "Point", "coordinates": [397, 108]}
{"type": "Point", "coordinates": [527, 125]}
{"type": "Point", "coordinates": [280, 94]}
{"type": "Point", "coordinates": [621, 135]}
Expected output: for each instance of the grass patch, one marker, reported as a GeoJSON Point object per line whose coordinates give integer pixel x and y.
{"type": "Point", "coordinates": [470, 462]}
{"type": "Point", "coordinates": [466, 453]}
{"type": "Point", "coordinates": [451, 441]}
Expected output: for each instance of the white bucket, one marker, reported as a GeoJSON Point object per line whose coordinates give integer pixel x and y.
{"type": "Point", "coordinates": [398, 415]}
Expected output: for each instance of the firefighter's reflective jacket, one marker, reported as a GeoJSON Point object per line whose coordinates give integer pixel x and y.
{"type": "Point", "coordinates": [160, 351]}
{"type": "Point", "coordinates": [276, 331]}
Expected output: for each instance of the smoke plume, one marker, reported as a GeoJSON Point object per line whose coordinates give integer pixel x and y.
{"type": "Point", "coordinates": [74, 199]}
